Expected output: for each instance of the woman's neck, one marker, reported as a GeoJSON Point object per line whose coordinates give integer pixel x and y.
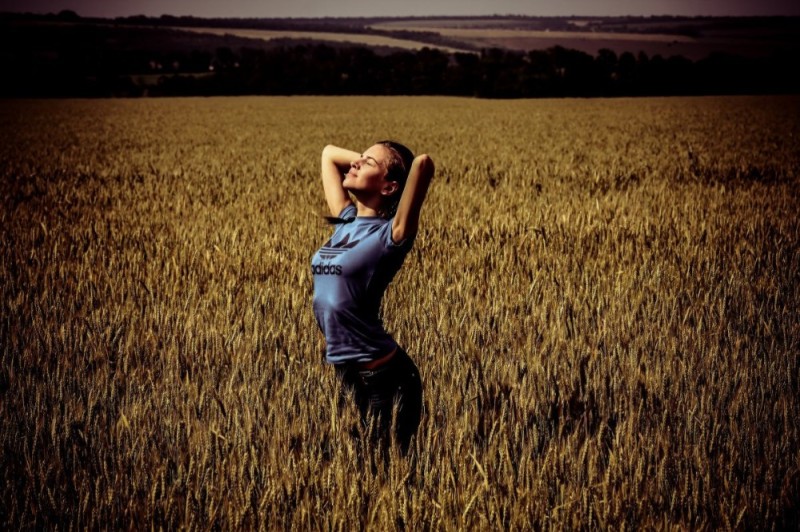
{"type": "Point", "coordinates": [365, 210]}
{"type": "Point", "coordinates": [368, 206]}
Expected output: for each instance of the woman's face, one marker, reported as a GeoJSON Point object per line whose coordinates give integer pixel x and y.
{"type": "Point", "coordinates": [368, 172]}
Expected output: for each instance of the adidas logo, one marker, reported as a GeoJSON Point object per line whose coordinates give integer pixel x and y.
{"type": "Point", "coordinates": [329, 251]}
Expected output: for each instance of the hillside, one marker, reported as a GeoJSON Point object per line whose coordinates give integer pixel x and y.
{"type": "Point", "coordinates": [692, 38]}
{"type": "Point", "coordinates": [66, 55]}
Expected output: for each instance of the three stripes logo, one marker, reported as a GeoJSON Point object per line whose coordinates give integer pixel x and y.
{"type": "Point", "coordinates": [331, 251]}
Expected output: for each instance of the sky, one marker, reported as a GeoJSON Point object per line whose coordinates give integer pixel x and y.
{"type": "Point", "coordinates": [402, 8]}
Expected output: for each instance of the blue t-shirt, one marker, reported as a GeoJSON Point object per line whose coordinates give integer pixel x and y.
{"type": "Point", "coordinates": [351, 272]}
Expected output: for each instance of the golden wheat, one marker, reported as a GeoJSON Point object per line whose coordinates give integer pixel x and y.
{"type": "Point", "coordinates": [602, 303]}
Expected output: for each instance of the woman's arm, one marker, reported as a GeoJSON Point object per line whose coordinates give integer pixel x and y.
{"type": "Point", "coordinates": [406, 221]}
{"type": "Point", "coordinates": [335, 162]}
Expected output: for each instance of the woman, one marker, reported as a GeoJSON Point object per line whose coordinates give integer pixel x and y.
{"type": "Point", "coordinates": [374, 232]}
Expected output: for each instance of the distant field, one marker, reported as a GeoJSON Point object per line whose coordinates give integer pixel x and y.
{"type": "Point", "coordinates": [502, 33]}
{"type": "Point", "coordinates": [355, 38]}
{"type": "Point", "coordinates": [602, 301]}
{"type": "Point", "coordinates": [476, 35]}
{"type": "Point", "coordinates": [490, 33]}
{"type": "Point", "coordinates": [591, 43]}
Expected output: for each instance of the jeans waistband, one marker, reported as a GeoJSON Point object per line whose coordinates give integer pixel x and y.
{"type": "Point", "coordinates": [378, 362]}
{"type": "Point", "coordinates": [373, 367]}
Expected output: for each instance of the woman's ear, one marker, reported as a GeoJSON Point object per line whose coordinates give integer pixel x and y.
{"type": "Point", "coordinates": [389, 188]}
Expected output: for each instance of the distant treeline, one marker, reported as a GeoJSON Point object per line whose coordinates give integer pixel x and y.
{"type": "Point", "coordinates": [321, 69]}
{"type": "Point", "coordinates": [92, 60]}
{"type": "Point", "coordinates": [493, 73]}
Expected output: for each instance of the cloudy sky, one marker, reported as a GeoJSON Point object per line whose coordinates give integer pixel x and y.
{"type": "Point", "coordinates": [334, 8]}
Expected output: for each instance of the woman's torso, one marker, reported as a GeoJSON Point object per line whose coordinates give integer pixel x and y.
{"type": "Point", "coordinates": [351, 272]}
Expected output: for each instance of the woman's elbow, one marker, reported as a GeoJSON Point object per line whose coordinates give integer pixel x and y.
{"type": "Point", "coordinates": [424, 159]}
{"type": "Point", "coordinates": [425, 164]}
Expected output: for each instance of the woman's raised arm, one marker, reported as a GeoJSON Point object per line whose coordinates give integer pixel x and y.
{"type": "Point", "coordinates": [406, 220]}
{"type": "Point", "coordinates": [335, 162]}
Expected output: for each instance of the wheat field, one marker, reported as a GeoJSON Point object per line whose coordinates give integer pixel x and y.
{"type": "Point", "coordinates": [602, 302]}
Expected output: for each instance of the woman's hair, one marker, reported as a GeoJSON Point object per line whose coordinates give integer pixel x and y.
{"type": "Point", "coordinates": [399, 164]}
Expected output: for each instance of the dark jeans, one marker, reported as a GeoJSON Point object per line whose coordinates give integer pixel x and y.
{"type": "Point", "coordinates": [378, 389]}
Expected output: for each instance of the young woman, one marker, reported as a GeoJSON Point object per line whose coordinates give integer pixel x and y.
{"type": "Point", "coordinates": [374, 232]}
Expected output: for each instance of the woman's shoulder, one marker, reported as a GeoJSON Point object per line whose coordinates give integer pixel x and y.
{"type": "Point", "coordinates": [349, 211]}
